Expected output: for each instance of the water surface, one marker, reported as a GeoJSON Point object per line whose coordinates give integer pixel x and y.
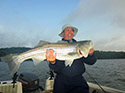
{"type": "Point", "coordinates": [109, 72]}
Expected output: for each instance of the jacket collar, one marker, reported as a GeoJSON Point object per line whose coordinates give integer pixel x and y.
{"type": "Point", "coordinates": [73, 40]}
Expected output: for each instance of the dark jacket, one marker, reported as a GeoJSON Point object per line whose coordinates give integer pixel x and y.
{"type": "Point", "coordinates": [71, 75]}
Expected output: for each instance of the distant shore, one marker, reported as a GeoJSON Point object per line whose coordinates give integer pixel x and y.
{"type": "Point", "coordinates": [99, 54]}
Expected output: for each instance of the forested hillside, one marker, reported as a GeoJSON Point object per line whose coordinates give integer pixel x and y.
{"type": "Point", "coordinates": [99, 54]}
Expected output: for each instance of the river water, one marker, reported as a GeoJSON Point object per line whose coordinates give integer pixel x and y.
{"type": "Point", "coordinates": [109, 72]}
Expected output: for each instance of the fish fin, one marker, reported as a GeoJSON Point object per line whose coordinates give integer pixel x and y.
{"type": "Point", "coordinates": [86, 54]}
{"type": "Point", "coordinates": [41, 42]}
{"type": "Point", "coordinates": [68, 62]}
{"type": "Point", "coordinates": [13, 62]}
{"type": "Point", "coordinates": [62, 41]}
{"type": "Point", "coordinates": [37, 60]}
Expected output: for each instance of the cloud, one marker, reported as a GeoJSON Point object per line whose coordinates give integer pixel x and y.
{"type": "Point", "coordinates": [1, 27]}
{"type": "Point", "coordinates": [103, 21]}
{"type": "Point", "coordinates": [111, 44]}
{"type": "Point", "coordinates": [110, 11]}
{"type": "Point", "coordinates": [25, 37]}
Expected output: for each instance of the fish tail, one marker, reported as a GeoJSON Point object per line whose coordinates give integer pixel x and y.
{"type": "Point", "coordinates": [13, 62]}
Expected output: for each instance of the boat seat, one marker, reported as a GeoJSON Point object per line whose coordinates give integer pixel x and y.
{"type": "Point", "coordinates": [9, 87]}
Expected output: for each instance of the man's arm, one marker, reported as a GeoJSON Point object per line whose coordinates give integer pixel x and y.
{"type": "Point", "coordinates": [55, 64]}
{"type": "Point", "coordinates": [91, 59]}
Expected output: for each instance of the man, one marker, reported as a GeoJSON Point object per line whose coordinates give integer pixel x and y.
{"type": "Point", "coordinates": [69, 79]}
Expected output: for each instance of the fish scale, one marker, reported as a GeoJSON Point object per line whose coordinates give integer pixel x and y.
{"type": "Point", "coordinates": [65, 51]}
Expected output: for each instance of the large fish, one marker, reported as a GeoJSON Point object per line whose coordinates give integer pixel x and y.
{"type": "Point", "coordinates": [65, 51]}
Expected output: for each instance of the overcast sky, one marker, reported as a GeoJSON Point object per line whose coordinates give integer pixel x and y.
{"type": "Point", "coordinates": [24, 22]}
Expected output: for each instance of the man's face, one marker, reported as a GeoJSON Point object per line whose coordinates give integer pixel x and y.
{"type": "Point", "coordinates": [68, 34]}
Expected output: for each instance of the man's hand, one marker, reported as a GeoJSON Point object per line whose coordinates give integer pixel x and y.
{"type": "Point", "coordinates": [51, 56]}
{"type": "Point", "coordinates": [91, 52]}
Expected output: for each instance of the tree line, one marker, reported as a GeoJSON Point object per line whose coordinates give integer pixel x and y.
{"type": "Point", "coordinates": [99, 54]}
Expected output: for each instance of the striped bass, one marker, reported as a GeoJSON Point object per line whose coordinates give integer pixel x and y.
{"type": "Point", "coordinates": [65, 51]}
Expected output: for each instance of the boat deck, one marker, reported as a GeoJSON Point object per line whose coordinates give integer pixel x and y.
{"type": "Point", "coordinates": [7, 87]}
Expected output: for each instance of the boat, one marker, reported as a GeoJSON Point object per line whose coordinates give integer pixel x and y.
{"type": "Point", "coordinates": [9, 87]}
{"type": "Point", "coordinates": [93, 88]}
{"type": "Point", "coordinates": [28, 82]}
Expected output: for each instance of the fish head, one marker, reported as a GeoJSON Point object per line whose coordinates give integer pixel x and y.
{"type": "Point", "coordinates": [84, 48]}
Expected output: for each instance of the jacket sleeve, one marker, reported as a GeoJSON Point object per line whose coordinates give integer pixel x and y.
{"type": "Point", "coordinates": [90, 60]}
{"type": "Point", "coordinates": [58, 66]}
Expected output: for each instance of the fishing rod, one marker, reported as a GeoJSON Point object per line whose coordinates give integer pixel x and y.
{"type": "Point", "coordinates": [51, 73]}
{"type": "Point", "coordinates": [95, 82]}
